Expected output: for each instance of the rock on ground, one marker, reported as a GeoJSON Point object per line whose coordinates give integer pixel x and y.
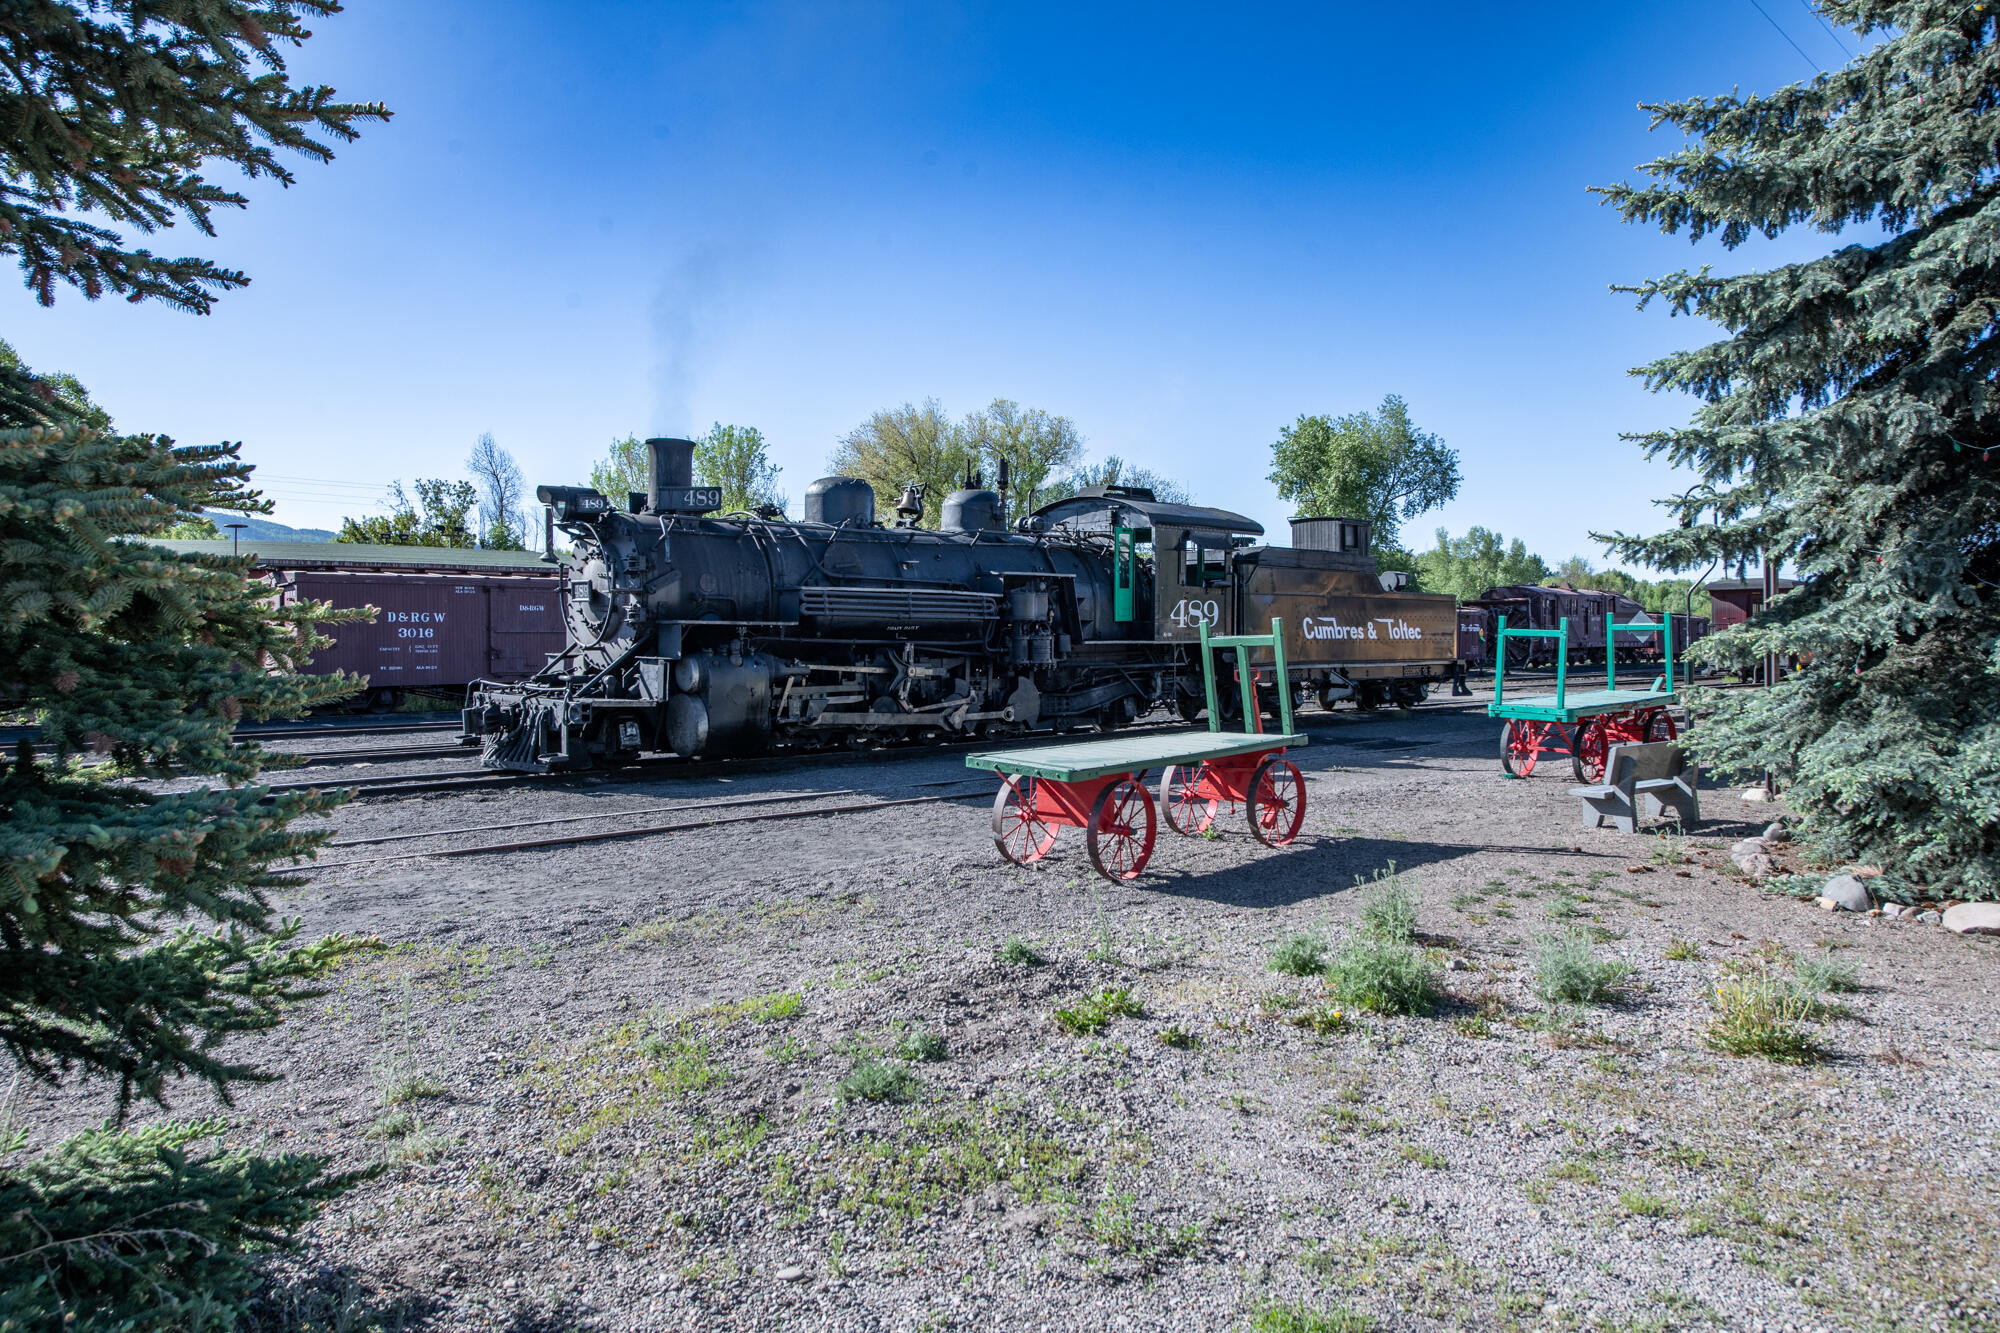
{"type": "Point", "coordinates": [1847, 893]}
{"type": "Point", "coordinates": [1973, 918]}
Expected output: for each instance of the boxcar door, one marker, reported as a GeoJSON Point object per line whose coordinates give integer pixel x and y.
{"type": "Point", "coordinates": [1192, 584]}
{"type": "Point", "coordinates": [526, 616]}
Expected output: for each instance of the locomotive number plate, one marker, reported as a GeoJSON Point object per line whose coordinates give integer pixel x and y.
{"type": "Point", "coordinates": [699, 499]}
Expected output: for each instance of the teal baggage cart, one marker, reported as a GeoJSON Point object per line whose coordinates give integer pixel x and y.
{"type": "Point", "coordinates": [1100, 786]}
{"type": "Point", "coordinates": [1583, 724]}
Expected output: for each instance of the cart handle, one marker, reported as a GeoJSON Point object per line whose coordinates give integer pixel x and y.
{"type": "Point", "coordinates": [1665, 629]}
{"type": "Point", "coordinates": [1246, 676]}
{"type": "Point", "coordinates": [1500, 656]}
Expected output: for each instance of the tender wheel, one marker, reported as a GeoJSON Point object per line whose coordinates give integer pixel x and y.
{"type": "Point", "coordinates": [1277, 803]}
{"type": "Point", "coordinates": [1590, 742]}
{"type": "Point", "coordinates": [1018, 831]}
{"type": "Point", "coordinates": [1121, 830]}
{"type": "Point", "coordinates": [1521, 744]}
{"type": "Point", "coordinates": [1188, 813]}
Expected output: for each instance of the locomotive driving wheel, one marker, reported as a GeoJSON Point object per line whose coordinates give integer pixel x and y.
{"type": "Point", "coordinates": [1522, 742]}
{"type": "Point", "coordinates": [1018, 830]}
{"type": "Point", "coordinates": [1189, 813]}
{"type": "Point", "coordinates": [1277, 803]}
{"type": "Point", "coordinates": [1121, 830]}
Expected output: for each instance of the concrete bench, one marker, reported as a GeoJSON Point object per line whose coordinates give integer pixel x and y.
{"type": "Point", "coordinates": [1642, 780]}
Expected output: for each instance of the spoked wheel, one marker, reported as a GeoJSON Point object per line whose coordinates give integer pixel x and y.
{"type": "Point", "coordinates": [1121, 830]}
{"type": "Point", "coordinates": [1659, 725]}
{"type": "Point", "coordinates": [1522, 743]}
{"type": "Point", "coordinates": [1589, 743]}
{"type": "Point", "coordinates": [1018, 831]}
{"type": "Point", "coordinates": [1188, 813]}
{"type": "Point", "coordinates": [1277, 801]}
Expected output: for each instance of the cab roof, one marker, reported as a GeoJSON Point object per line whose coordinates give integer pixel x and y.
{"type": "Point", "coordinates": [1098, 508]}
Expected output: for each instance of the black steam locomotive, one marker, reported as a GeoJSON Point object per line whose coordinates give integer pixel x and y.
{"type": "Point", "coordinates": [733, 635]}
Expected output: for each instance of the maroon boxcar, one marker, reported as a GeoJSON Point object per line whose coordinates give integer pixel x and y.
{"type": "Point", "coordinates": [444, 617]}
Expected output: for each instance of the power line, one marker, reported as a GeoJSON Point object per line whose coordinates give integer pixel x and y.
{"type": "Point", "coordinates": [1813, 9]}
{"type": "Point", "coordinates": [1788, 38]}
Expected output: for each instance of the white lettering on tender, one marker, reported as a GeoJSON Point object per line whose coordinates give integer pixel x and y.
{"type": "Point", "coordinates": [413, 617]}
{"type": "Point", "coordinates": [1329, 627]}
{"type": "Point", "coordinates": [531, 608]}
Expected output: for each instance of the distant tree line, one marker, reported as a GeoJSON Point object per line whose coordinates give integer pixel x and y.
{"type": "Point", "coordinates": [486, 511]}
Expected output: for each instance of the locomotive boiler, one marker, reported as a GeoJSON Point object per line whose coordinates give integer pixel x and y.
{"type": "Point", "coordinates": [738, 634]}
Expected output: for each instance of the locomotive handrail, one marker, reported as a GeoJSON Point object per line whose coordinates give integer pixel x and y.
{"type": "Point", "coordinates": [1246, 677]}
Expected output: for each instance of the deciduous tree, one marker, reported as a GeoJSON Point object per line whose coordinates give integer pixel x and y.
{"type": "Point", "coordinates": [1847, 425]}
{"type": "Point", "coordinates": [1373, 465]}
{"type": "Point", "coordinates": [503, 524]}
{"type": "Point", "coordinates": [441, 515]}
{"type": "Point", "coordinates": [735, 459]}
{"type": "Point", "coordinates": [903, 445]}
{"type": "Point", "coordinates": [1467, 566]}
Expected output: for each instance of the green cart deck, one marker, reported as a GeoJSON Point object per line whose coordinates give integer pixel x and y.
{"type": "Point", "coordinates": [1575, 704]}
{"type": "Point", "coordinates": [1129, 754]}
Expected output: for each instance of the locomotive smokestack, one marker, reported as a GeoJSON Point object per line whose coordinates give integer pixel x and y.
{"type": "Point", "coordinates": [671, 467]}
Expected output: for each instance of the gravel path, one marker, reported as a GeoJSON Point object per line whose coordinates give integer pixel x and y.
{"type": "Point", "coordinates": [607, 1077]}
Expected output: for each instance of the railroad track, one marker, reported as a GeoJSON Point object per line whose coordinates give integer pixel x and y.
{"type": "Point", "coordinates": [689, 815]}
{"type": "Point", "coordinates": [387, 754]}
{"type": "Point", "coordinates": [664, 766]}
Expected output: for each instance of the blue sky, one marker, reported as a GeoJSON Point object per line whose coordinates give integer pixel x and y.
{"type": "Point", "coordinates": [1178, 227]}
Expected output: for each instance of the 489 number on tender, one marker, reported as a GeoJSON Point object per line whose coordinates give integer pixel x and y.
{"type": "Point", "coordinates": [1189, 611]}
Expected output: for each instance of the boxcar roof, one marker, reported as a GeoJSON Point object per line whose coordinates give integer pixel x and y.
{"type": "Point", "coordinates": [359, 555]}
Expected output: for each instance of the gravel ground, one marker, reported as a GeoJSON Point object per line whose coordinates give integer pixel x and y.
{"type": "Point", "coordinates": [606, 1078]}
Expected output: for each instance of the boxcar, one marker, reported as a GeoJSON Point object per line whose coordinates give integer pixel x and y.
{"type": "Point", "coordinates": [444, 617]}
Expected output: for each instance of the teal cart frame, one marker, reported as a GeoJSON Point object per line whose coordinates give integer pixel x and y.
{"type": "Point", "coordinates": [1583, 724]}
{"type": "Point", "coordinates": [1100, 786]}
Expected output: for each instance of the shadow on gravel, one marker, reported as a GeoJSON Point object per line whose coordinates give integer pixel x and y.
{"type": "Point", "coordinates": [336, 1296]}
{"type": "Point", "coordinates": [1313, 867]}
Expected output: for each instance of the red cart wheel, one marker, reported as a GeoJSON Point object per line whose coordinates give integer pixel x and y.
{"type": "Point", "coordinates": [1188, 813]}
{"type": "Point", "coordinates": [1018, 830]}
{"type": "Point", "coordinates": [1277, 801]}
{"type": "Point", "coordinates": [1659, 725]}
{"type": "Point", "coordinates": [1121, 830]}
{"type": "Point", "coordinates": [1521, 744]}
{"type": "Point", "coordinates": [1589, 743]}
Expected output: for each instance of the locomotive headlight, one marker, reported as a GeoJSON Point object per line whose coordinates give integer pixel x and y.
{"type": "Point", "coordinates": [573, 503]}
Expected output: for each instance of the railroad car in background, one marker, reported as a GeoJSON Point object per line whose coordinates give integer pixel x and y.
{"type": "Point", "coordinates": [445, 617]}
{"type": "Point", "coordinates": [1587, 610]}
{"type": "Point", "coordinates": [746, 632]}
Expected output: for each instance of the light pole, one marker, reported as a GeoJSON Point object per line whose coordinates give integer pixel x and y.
{"type": "Point", "coordinates": [236, 537]}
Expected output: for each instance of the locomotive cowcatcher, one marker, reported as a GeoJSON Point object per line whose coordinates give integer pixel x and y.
{"type": "Point", "coordinates": [741, 633]}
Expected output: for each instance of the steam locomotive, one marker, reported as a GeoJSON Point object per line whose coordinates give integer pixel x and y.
{"type": "Point", "coordinates": [741, 633]}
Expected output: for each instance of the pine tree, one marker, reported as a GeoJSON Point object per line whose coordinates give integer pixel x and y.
{"type": "Point", "coordinates": [136, 934]}
{"type": "Point", "coordinates": [1847, 426]}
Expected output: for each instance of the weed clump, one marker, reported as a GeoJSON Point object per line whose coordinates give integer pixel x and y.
{"type": "Point", "coordinates": [1299, 955]}
{"type": "Point", "coordinates": [1177, 1037]}
{"type": "Point", "coordinates": [1567, 973]}
{"type": "Point", "coordinates": [1389, 910]}
{"type": "Point", "coordinates": [1382, 972]}
{"type": "Point", "coordinates": [1095, 1012]}
{"type": "Point", "coordinates": [1682, 951]}
{"type": "Point", "coordinates": [1755, 1015]}
{"type": "Point", "coordinates": [921, 1046]}
{"type": "Point", "coordinates": [1383, 978]}
{"type": "Point", "coordinates": [1021, 953]}
{"type": "Point", "coordinates": [1298, 1317]}
{"type": "Point", "coordinates": [876, 1080]}
{"type": "Point", "coordinates": [1819, 976]}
